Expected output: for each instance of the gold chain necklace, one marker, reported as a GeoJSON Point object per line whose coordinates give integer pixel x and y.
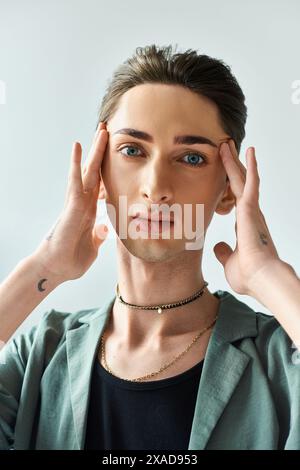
{"type": "Point", "coordinates": [139, 379]}
{"type": "Point", "coordinates": [147, 376]}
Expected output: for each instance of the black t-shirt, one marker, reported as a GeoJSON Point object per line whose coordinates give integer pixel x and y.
{"type": "Point", "coordinates": [151, 415]}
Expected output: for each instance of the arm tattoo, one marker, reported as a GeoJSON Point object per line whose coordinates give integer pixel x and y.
{"type": "Point", "coordinates": [263, 238]}
{"type": "Point", "coordinates": [40, 285]}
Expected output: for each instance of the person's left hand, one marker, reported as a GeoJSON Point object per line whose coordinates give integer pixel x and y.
{"type": "Point", "coordinates": [254, 250]}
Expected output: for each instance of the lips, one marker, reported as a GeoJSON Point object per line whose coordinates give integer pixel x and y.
{"type": "Point", "coordinates": [152, 226]}
{"type": "Point", "coordinates": [153, 217]}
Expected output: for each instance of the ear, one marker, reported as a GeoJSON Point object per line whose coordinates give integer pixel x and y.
{"type": "Point", "coordinates": [226, 201]}
{"type": "Point", "coordinates": [102, 191]}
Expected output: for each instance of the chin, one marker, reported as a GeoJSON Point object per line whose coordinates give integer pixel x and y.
{"type": "Point", "coordinates": [153, 251]}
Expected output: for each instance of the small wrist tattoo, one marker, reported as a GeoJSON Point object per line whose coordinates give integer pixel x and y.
{"type": "Point", "coordinates": [263, 238]}
{"type": "Point", "coordinates": [40, 284]}
{"type": "Point", "coordinates": [50, 235]}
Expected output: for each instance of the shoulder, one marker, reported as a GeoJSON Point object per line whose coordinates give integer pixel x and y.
{"type": "Point", "coordinates": [245, 326]}
{"type": "Point", "coordinates": [281, 353]}
{"type": "Point", "coordinates": [268, 328]}
{"type": "Point", "coordinates": [48, 334]}
{"type": "Point", "coordinates": [62, 321]}
{"type": "Point", "coordinates": [240, 324]}
{"type": "Point", "coordinates": [273, 362]}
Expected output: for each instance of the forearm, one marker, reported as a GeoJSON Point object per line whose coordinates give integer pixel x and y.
{"type": "Point", "coordinates": [278, 288]}
{"type": "Point", "coordinates": [21, 292]}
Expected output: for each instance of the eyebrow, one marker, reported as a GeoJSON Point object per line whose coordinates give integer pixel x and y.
{"type": "Point", "coordinates": [178, 139]}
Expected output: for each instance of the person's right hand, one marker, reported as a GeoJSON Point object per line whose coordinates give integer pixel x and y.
{"type": "Point", "coordinates": [72, 245]}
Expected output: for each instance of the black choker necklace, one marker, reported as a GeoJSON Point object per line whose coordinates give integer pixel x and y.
{"type": "Point", "coordinates": [160, 308]}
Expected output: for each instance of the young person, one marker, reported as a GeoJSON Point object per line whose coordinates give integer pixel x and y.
{"type": "Point", "coordinates": [163, 363]}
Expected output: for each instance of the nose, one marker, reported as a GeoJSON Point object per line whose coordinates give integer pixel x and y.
{"type": "Point", "coordinates": [156, 186]}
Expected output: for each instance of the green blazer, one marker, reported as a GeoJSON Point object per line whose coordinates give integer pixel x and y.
{"type": "Point", "coordinates": [248, 395]}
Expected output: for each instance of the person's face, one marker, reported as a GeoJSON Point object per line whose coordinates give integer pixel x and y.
{"type": "Point", "coordinates": [160, 171]}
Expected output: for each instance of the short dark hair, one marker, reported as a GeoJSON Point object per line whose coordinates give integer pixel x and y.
{"type": "Point", "coordinates": [200, 73]}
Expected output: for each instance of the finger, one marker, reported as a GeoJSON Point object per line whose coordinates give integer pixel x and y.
{"type": "Point", "coordinates": [74, 179]}
{"type": "Point", "coordinates": [101, 126]}
{"type": "Point", "coordinates": [93, 156]}
{"type": "Point", "coordinates": [222, 252]}
{"type": "Point", "coordinates": [235, 175]}
{"type": "Point", "coordinates": [99, 234]}
{"type": "Point", "coordinates": [236, 156]}
{"type": "Point", "coordinates": [251, 191]}
{"type": "Point", "coordinates": [92, 174]}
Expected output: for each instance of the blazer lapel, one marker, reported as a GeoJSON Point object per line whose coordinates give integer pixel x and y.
{"type": "Point", "coordinates": [223, 367]}
{"type": "Point", "coordinates": [82, 346]}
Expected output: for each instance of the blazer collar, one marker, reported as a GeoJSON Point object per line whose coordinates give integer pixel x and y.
{"type": "Point", "coordinates": [82, 347]}
{"type": "Point", "coordinates": [223, 366]}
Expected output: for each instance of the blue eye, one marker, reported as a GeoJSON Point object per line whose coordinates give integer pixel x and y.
{"type": "Point", "coordinates": [194, 159]}
{"type": "Point", "coordinates": [192, 156]}
{"type": "Point", "coordinates": [129, 147]}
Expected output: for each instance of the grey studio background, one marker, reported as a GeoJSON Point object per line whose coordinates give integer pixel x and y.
{"type": "Point", "coordinates": [56, 58]}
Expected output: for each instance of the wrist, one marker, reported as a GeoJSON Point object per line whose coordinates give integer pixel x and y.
{"type": "Point", "coordinates": [38, 265]}
{"type": "Point", "coordinates": [271, 274]}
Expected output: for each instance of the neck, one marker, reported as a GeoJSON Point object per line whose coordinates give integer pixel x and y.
{"type": "Point", "coordinates": [153, 283]}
